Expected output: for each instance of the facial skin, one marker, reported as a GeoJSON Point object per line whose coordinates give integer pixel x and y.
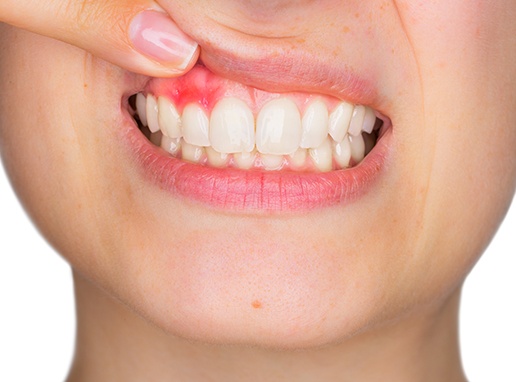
{"type": "Point", "coordinates": [445, 75]}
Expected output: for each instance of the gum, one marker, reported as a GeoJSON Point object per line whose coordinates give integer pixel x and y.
{"type": "Point", "coordinates": [202, 86]}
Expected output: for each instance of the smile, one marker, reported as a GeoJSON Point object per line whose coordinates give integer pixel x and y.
{"type": "Point", "coordinates": [240, 148]}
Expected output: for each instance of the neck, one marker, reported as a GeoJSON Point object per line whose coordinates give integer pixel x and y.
{"type": "Point", "coordinates": [114, 343]}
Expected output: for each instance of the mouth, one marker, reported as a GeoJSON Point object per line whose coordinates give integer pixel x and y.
{"type": "Point", "coordinates": [238, 148]}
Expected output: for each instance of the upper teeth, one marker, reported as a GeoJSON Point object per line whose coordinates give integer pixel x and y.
{"type": "Point", "coordinates": [279, 129]}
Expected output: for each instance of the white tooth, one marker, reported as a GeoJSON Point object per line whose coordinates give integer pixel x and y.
{"type": "Point", "coordinates": [278, 127]}
{"type": "Point", "coordinates": [171, 145]}
{"type": "Point", "coordinates": [245, 160]}
{"type": "Point", "coordinates": [357, 121]}
{"type": "Point", "coordinates": [271, 161]}
{"type": "Point", "coordinates": [152, 114]}
{"type": "Point", "coordinates": [322, 156]}
{"type": "Point", "coordinates": [168, 118]}
{"type": "Point", "coordinates": [342, 153]}
{"type": "Point", "coordinates": [232, 126]}
{"type": "Point", "coordinates": [191, 153]}
{"type": "Point", "coordinates": [195, 125]}
{"type": "Point", "coordinates": [339, 121]}
{"type": "Point", "coordinates": [298, 158]}
{"type": "Point", "coordinates": [315, 125]}
{"type": "Point", "coordinates": [141, 106]}
{"type": "Point", "coordinates": [357, 147]}
{"type": "Point", "coordinates": [215, 158]}
{"type": "Point", "coordinates": [369, 120]}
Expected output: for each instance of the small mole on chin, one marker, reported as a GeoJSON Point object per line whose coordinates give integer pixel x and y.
{"type": "Point", "coordinates": [256, 304]}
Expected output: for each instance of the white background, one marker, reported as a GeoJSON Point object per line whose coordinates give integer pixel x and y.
{"type": "Point", "coordinates": [37, 314]}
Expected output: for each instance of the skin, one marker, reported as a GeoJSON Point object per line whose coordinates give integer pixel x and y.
{"type": "Point", "coordinates": [195, 294]}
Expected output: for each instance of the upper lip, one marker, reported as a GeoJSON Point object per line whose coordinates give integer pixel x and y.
{"type": "Point", "coordinates": [281, 64]}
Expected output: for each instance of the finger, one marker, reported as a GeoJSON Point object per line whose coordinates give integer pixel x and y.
{"type": "Point", "coordinates": [134, 34]}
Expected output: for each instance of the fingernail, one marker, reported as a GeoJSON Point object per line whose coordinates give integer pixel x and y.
{"type": "Point", "coordinates": [155, 35]}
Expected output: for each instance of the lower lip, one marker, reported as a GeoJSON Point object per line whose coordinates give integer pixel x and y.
{"type": "Point", "coordinates": [258, 192]}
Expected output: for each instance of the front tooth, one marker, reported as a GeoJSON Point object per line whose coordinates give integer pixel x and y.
{"type": "Point", "coordinates": [245, 160]}
{"type": "Point", "coordinates": [232, 126]}
{"type": "Point", "coordinates": [369, 120]}
{"type": "Point", "coordinates": [171, 145]}
{"type": "Point", "coordinates": [298, 158]}
{"type": "Point", "coordinates": [195, 125]}
{"type": "Point", "coordinates": [152, 114]}
{"type": "Point", "coordinates": [191, 153]}
{"type": "Point", "coordinates": [357, 121]}
{"type": "Point", "coordinates": [168, 118]}
{"type": "Point", "coordinates": [322, 156]}
{"type": "Point", "coordinates": [339, 121]}
{"type": "Point", "coordinates": [278, 127]}
{"type": "Point", "coordinates": [141, 108]}
{"type": "Point", "coordinates": [314, 125]}
{"type": "Point", "coordinates": [271, 161]}
{"type": "Point", "coordinates": [357, 147]}
{"type": "Point", "coordinates": [342, 153]}
{"type": "Point", "coordinates": [215, 158]}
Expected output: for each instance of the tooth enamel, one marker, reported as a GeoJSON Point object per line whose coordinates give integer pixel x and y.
{"type": "Point", "coordinates": [369, 120]}
{"type": "Point", "coordinates": [232, 126]}
{"type": "Point", "coordinates": [342, 153]}
{"type": "Point", "coordinates": [298, 158]}
{"type": "Point", "coordinates": [339, 121]}
{"type": "Point", "coordinates": [278, 127]}
{"type": "Point", "coordinates": [357, 148]}
{"type": "Point", "coordinates": [271, 161]}
{"type": "Point", "coordinates": [141, 106]}
{"type": "Point", "coordinates": [314, 125]}
{"type": "Point", "coordinates": [244, 160]}
{"type": "Point", "coordinates": [152, 114]}
{"type": "Point", "coordinates": [168, 118]}
{"type": "Point", "coordinates": [322, 156]}
{"type": "Point", "coordinates": [191, 153]}
{"type": "Point", "coordinates": [215, 158]}
{"type": "Point", "coordinates": [171, 145]}
{"type": "Point", "coordinates": [195, 125]}
{"type": "Point", "coordinates": [357, 121]}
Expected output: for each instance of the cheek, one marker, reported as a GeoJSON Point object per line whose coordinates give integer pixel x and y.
{"type": "Point", "coordinates": [466, 61]}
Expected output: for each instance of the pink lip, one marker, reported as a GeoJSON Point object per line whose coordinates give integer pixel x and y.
{"type": "Point", "coordinates": [254, 191]}
{"type": "Point", "coordinates": [235, 190]}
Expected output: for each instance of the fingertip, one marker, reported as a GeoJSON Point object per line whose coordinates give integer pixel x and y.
{"type": "Point", "coordinates": [156, 36]}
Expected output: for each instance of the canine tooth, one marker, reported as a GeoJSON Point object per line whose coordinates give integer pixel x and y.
{"type": "Point", "coordinates": [369, 120]}
{"type": "Point", "coordinates": [271, 161]}
{"type": "Point", "coordinates": [357, 121]}
{"type": "Point", "coordinates": [245, 160]}
{"type": "Point", "coordinates": [171, 145]}
{"type": "Point", "coordinates": [314, 125]}
{"type": "Point", "coordinates": [342, 153]}
{"type": "Point", "coordinates": [191, 153]}
{"type": "Point", "coordinates": [168, 118]}
{"type": "Point", "coordinates": [322, 156]}
{"type": "Point", "coordinates": [298, 158]}
{"type": "Point", "coordinates": [152, 114]}
{"type": "Point", "coordinates": [195, 125]}
{"type": "Point", "coordinates": [141, 106]}
{"type": "Point", "coordinates": [339, 121]}
{"type": "Point", "coordinates": [232, 126]}
{"type": "Point", "coordinates": [357, 147]}
{"type": "Point", "coordinates": [215, 158]}
{"type": "Point", "coordinates": [278, 127]}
